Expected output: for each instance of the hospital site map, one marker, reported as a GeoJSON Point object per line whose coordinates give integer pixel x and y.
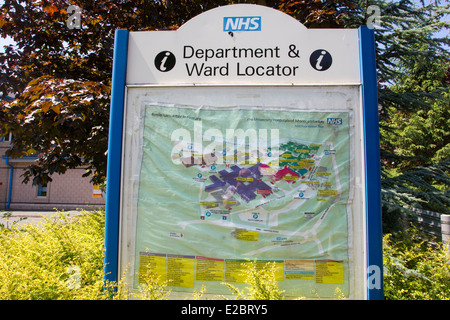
{"type": "Point", "coordinates": [220, 187]}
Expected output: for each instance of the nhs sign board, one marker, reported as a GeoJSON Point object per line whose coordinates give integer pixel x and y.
{"type": "Point", "coordinates": [241, 23]}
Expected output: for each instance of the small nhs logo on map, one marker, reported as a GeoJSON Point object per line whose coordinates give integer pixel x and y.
{"type": "Point", "coordinates": [241, 23]}
{"type": "Point", "coordinates": [334, 120]}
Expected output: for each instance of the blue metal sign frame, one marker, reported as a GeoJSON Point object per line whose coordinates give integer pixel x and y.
{"type": "Point", "coordinates": [113, 171]}
{"type": "Point", "coordinates": [371, 158]}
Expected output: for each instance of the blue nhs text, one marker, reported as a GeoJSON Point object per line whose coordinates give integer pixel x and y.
{"type": "Point", "coordinates": [242, 24]}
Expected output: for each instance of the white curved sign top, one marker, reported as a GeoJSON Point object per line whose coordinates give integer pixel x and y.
{"type": "Point", "coordinates": [244, 44]}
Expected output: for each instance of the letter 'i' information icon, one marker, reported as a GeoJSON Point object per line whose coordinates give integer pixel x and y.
{"type": "Point", "coordinates": [320, 60]}
{"type": "Point", "coordinates": [165, 61]}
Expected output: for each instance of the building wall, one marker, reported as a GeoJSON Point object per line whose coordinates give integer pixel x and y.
{"type": "Point", "coordinates": [4, 180]}
{"type": "Point", "coordinates": [4, 175]}
{"type": "Point", "coordinates": [67, 191]}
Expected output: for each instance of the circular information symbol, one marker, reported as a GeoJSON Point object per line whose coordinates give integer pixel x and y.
{"type": "Point", "coordinates": [320, 60]}
{"type": "Point", "coordinates": [165, 61]}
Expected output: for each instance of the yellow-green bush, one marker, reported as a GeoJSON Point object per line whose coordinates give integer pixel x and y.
{"type": "Point", "coordinates": [62, 258]}
{"type": "Point", "coordinates": [58, 258]}
{"type": "Point", "coordinates": [415, 269]}
{"type": "Point", "coordinates": [261, 283]}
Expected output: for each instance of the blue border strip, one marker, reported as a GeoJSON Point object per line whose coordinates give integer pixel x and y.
{"type": "Point", "coordinates": [372, 164]}
{"type": "Point", "coordinates": [11, 174]}
{"type": "Point", "coordinates": [113, 172]}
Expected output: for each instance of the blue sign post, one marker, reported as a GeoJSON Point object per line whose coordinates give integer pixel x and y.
{"type": "Point", "coordinates": [113, 174]}
{"type": "Point", "coordinates": [372, 163]}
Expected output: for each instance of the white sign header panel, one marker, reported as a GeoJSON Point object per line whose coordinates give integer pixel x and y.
{"type": "Point", "coordinates": [244, 44]}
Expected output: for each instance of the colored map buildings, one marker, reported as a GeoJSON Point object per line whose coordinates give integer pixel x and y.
{"type": "Point", "coordinates": [246, 182]}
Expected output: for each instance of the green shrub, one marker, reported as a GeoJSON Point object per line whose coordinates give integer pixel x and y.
{"type": "Point", "coordinates": [261, 283]}
{"type": "Point", "coordinates": [415, 270]}
{"type": "Point", "coordinates": [62, 258]}
{"type": "Point", "coordinates": [152, 288]}
{"type": "Point", "coordinates": [58, 258]}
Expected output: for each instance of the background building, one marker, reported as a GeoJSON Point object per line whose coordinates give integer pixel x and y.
{"type": "Point", "coordinates": [67, 191]}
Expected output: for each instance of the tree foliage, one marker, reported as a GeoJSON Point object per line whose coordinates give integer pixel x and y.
{"type": "Point", "coordinates": [61, 79]}
{"type": "Point", "coordinates": [66, 120]}
{"type": "Point", "coordinates": [414, 269]}
{"type": "Point", "coordinates": [413, 78]}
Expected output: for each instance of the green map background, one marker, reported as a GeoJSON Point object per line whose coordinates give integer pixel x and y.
{"type": "Point", "coordinates": [169, 194]}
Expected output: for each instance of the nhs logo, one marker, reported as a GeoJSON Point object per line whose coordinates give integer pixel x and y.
{"type": "Point", "coordinates": [334, 120]}
{"type": "Point", "coordinates": [241, 23]}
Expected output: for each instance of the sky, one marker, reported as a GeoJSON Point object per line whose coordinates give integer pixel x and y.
{"type": "Point", "coordinates": [5, 42]}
